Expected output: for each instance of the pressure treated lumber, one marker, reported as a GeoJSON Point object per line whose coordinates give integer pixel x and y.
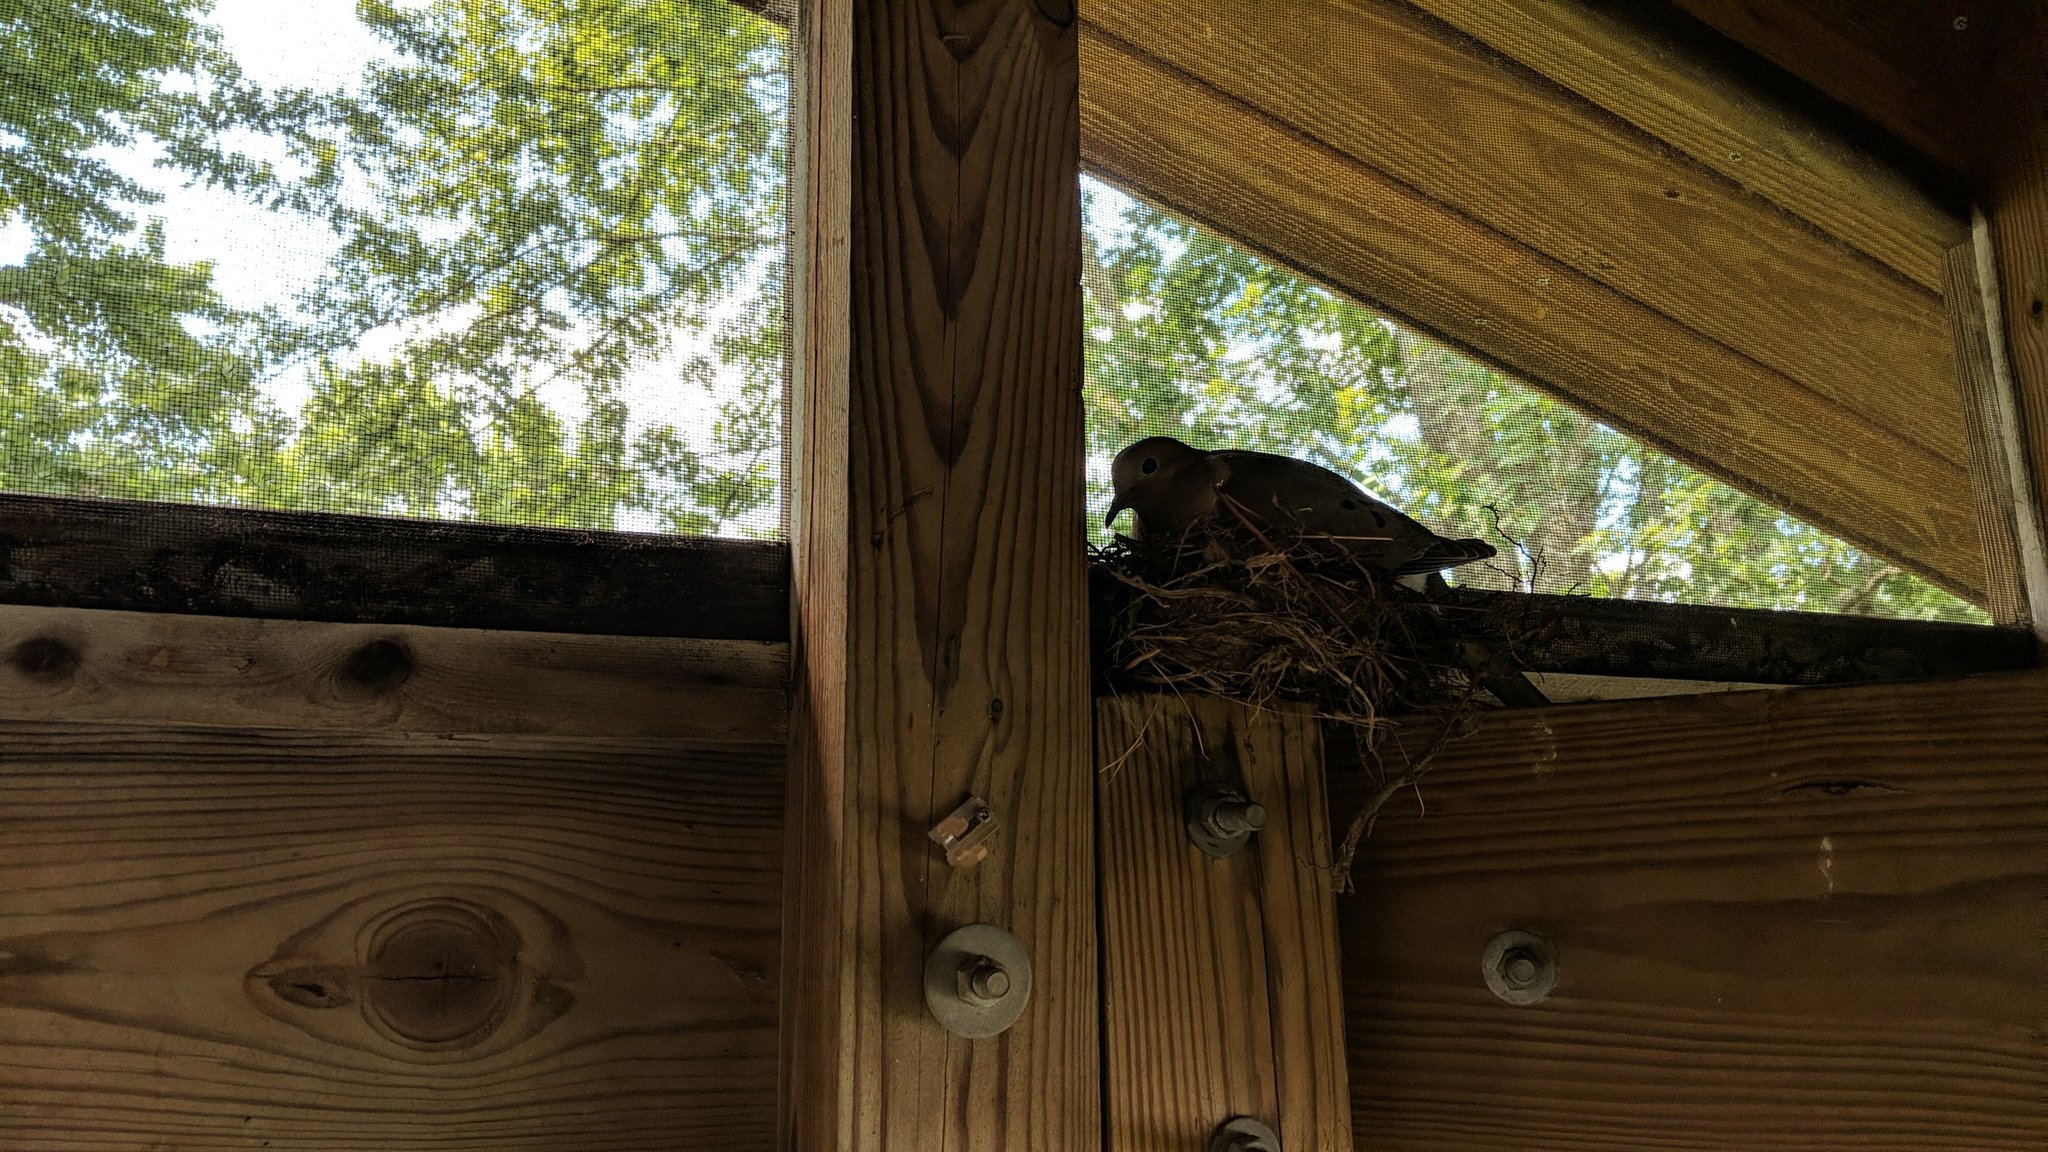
{"type": "Point", "coordinates": [1548, 170]}
{"type": "Point", "coordinates": [2012, 255]}
{"type": "Point", "coordinates": [1261, 180]}
{"type": "Point", "coordinates": [1640, 66]}
{"type": "Point", "coordinates": [940, 610]}
{"type": "Point", "coordinates": [78, 664]}
{"type": "Point", "coordinates": [1796, 919]}
{"type": "Point", "coordinates": [150, 557]}
{"type": "Point", "coordinates": [1913, 67]}
{"type": "Point", "coordinates": [244, 938]}
{"type": "Point", "coordinates": [1221, 987]}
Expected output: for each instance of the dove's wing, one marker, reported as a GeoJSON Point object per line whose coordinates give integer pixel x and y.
{"type": "Point", "coordinates": [1317, 501]}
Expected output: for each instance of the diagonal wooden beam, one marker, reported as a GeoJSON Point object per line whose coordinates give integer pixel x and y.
{"type": "Point", "coordinates": [1258, 177]}
{"type": "Point", "coordinates": [1691, 89]}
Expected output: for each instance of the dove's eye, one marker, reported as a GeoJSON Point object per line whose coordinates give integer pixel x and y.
{"type": "Point", "coordinates": [1149, 466]}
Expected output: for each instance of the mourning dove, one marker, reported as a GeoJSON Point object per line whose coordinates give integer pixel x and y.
{"type": "Point", "coordinates": [1170, 486]}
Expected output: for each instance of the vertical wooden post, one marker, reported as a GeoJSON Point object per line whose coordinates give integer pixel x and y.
{"type": "Point", "coordinates": [2012, 250]}
{"type": "Point", "coordinates": [1222, 994]}
{"type": "Point", "coordinates": [940, 607]}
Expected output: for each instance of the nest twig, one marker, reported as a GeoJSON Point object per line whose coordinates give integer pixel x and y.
{"type": "Point", "coordinates": [1235, 611]}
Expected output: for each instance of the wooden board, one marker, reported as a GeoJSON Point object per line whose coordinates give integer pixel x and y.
{"type": "Point", "coordinates": [1629, 61]}
{"type": "Point", "coordinates": [132, 556]}
{"type": "Point", "coordinates": [1221, 989]}
{"type": "Point", "coordinates": [1797, 919]}
{"type": "Point", "coordinates": [78, 664]}
{"type": "Point", "coordinates": [941, 614]}
{"type": "Point", "coordinates": [1175, 139]}
{"type": "Point", "coordinates": [233, 938]}
{"type": "Point", "coordinates": [1555, 174]}
{"type": "Point", "coordinates": [2012, 256]}
{"type": "Point", "coordinates": [1912, 67]}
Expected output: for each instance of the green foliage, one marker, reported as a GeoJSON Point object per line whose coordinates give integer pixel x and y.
{"type": "Point", "coordinates": [1191, 336]}
{"type": "Point", "coordinates": [548, 211]}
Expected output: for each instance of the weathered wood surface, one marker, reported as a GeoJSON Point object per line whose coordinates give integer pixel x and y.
{"type": "Point", "coordinates": [1800, 919]}
{"type": "Point", "coordinates": [1633, 61]}
{"type": "Point", "coordinates": [78, 664]}
{"type": "Point", "coordinates": [125, 555]}
{"type": "Point", "coordinates": [2008, 518]}
{"type": "Point", "coordinates": [1913, 67]}
{"type": "Point", "coordinates": [940, 606]}
{"type": "Point", "coordinates": [2012, 250]}
{"type": "Point", "coordinates": [1222, 994]}
{"type": "Point", "coordinates": [234, 938]}
{"type": "Point", "coordinates": [1591, 636]}
{"type": "Point", "coordinates": [1865, 452]}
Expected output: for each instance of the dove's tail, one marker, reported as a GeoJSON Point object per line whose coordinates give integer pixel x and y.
{"type": "Point", "coordinates": [1447, 554]}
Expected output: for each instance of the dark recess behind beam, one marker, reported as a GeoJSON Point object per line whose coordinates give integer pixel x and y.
{"type": "Point", "coordinates": [371, 569]}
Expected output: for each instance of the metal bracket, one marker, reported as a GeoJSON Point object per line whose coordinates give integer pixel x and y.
{"type": "Point", "coordinates": [1221, 820]}
{"type": "Point", "coordinates": [1520, 967]}
{"type": "Point", "coordinates": [1244, 1134]}
{"type": "Point", "coordinates": [965, 832]}
{"type": "Point", "coordinates": [977, 981]}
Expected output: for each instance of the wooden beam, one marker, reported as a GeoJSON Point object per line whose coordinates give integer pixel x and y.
{"type": "Point", "coordinates": [1794, 919]}
{"type": "Point", "coordinates": [1221, 991]}
{"type": "Point", "coordinates": [1591, 636]}
{"type": "Point", "coordinates": [940, 607]}
{"type": "Point", "coordinates": [250, 938]}
{"type": "Point", "coordinates": [1361, 188]}
{"type": "Point", "coordinates": [2012, 264]}
{"type": "Point", "coordinates": [75, 664]}
{"type": "Point", "coordinates": [1633, 62]}
{"type": "Point", "coordinates": [145, 557]}
{"type": "Point", "coordinates": [1912, 67]}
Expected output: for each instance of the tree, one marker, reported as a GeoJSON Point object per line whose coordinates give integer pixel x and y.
{"type": "Point", "coordinates": [539, 203]}
{"type": "Point", "coordinates": [121, 373]}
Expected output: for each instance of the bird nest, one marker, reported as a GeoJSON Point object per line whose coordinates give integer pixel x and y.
{"type": "Point", "coordinates": [1260, 618]}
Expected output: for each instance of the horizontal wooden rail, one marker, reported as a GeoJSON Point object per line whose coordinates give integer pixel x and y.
{"type": "Point", "coordinates": [147, 557]}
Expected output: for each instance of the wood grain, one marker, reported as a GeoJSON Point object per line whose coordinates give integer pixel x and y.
{"type": "Point", "coordinates": [1912, 67]}
{"type": "Point", "coordinates": [2012, 250]}
{"type": "Point", "coordinates": [1797, 919]}
{"type": "Point", "coordinates": [1221, 986]}
{"type": "Point", "coordinates": [1388, 88]}
{"type": "Point", "coordinates": [1675, 88]}
{"type": "Point", "coordinates": [128, 555]}
{"type": "Point", "coordinates": [1153, 129]}
{"type": "Point", "coordinates": [244, 939]}
{"type": "Point", "coordinates": [2008, 520]}
{"type": "Point", "coordinates": [940, 605]}
{"type": "Point", "coordinates": [77, 664]}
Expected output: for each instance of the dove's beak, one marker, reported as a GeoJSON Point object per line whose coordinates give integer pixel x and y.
{"type": "Point", "coordinates": [1115, 506]}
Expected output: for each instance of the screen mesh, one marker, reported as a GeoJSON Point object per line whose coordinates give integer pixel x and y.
{"type": "Point", "coordinates": [516, 261]}
{"type": "Point", "coordinates": [1190, 336]}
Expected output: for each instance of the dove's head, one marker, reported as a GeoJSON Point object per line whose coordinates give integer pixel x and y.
{"type": "Point", "coordinates": [1164, 481]}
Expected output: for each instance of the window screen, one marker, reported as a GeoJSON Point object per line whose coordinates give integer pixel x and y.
{"type": "Point", "coordinates": [517, 261]}
{"type": "Point", "coordinates": [1191, 336]}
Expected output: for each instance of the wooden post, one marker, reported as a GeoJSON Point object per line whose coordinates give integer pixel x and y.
{"type": "Point", "coordinates": [1221, 990]}
{"type": "Point", "coordinates": [2012, 250]}
{"type": "Point", "coordinates": [939, 606]}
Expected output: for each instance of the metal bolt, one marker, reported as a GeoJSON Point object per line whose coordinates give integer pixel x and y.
{"type": "Point", "coordinates": [1244, 1134]}
{"type": "Point", "coordinates": [1236, 817]}
{"type": "Point", "coordinates": [1220, 820]}
{"type": "Point", "coordinates": [1520, 967]}
{"type": "Point", "coordinates": [982, 981]}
